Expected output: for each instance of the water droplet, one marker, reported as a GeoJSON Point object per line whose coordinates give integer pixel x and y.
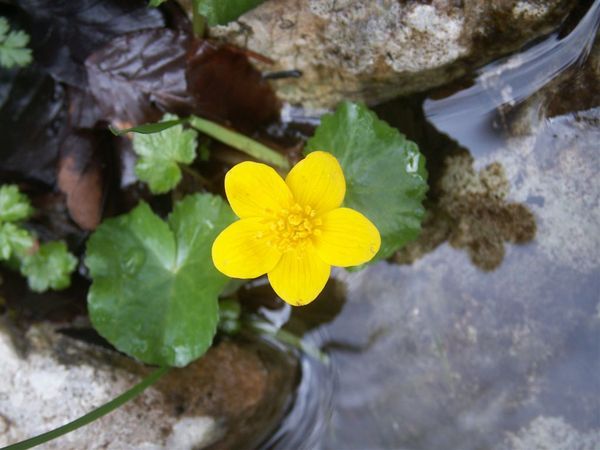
{"type": "Point", "coordinates": [412, 164]}
{"type": "Point", "coordinates": [133, 261]}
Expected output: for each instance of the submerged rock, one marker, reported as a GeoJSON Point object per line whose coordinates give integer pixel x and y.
{"type": "Point", "coordinates": [552, 433]}
{"type": "Point", "coordinates": [472, 213]}
{"type": "Point", "coordinates": [374, 51]}
{"type": "Point", "coordinates": [236, 393]}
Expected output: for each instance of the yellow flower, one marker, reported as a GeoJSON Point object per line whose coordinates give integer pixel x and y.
{"type": "Point", "coordinates": [292, 230]}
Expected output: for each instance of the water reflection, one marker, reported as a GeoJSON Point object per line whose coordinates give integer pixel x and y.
{"type": "Point", "coordinates": [471, 115]}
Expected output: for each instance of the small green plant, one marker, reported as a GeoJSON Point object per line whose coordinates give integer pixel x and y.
{"type": "Point", "coordinates": [46, 266]}
{"type": "Point", "coordinates": [14, 208]}
{"type": "Point", "coordinates": [163, 273]}
{"type": "Point", "coordinates": [13, 46]}
{"type": "Point", "coordinates": [155, 284]}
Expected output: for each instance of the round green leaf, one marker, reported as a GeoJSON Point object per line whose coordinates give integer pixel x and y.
{"type": "Point", "coordinates": [14, 240]}
{"type": "Point", "coordinates": [386, 179]}
{"type": "Point", "coordinates": [160, 154]}
{"type": "Point", "coordinates": [14, 206]}
{"type": "Point", "coordinates": [49, 268]}
{"type": "Point", "coordinates": [155, 290]}
{"type": "Point", "coordinates": [220, 12]}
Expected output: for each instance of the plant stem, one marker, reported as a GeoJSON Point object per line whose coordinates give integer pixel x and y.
{"type": "Point", "coordinates": [93, 415]}
{"type": "Point", "coordinates": [241, 142]}
{"type": "Point", "coordinates": [195, 175]}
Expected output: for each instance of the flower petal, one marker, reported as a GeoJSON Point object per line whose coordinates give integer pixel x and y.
{"type": "Point", "coordinates": [299, 276]}
{"type": "Point", "coordinates": [256, 190]}
{"type": "Point", "coordinates": [318, 181]}
{"type": "Point", "coordinates": [347, 238]}
{"type": "Point", "coordinates": [242, 251]}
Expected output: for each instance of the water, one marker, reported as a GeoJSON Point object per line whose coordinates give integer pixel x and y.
{"type": "Point", "coordinates": [486, 332]}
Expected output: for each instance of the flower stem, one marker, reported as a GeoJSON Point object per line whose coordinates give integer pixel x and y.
{"type": "Point", "coordinates": [93, 415]}
{"type": "Point", "coordinates": [241, 142]}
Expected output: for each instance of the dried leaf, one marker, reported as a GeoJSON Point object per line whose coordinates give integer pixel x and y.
{"type": "Point", "coordinates": [80, 178]}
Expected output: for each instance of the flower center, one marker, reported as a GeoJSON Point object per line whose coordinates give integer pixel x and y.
{"type": "Point", "coordinates": [293, 227]}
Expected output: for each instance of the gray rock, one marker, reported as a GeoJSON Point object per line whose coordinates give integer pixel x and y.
{"type": "Point", "coordinates": [233, 394]}
{"type": "Point", "coordinates": [373, 51]}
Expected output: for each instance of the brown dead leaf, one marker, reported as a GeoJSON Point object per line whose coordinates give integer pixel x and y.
{"type": "Point", "coordinates": [80, 178]}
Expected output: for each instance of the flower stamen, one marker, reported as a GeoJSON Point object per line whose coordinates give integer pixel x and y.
{"type": "Point", "coordinates": [293, 227]}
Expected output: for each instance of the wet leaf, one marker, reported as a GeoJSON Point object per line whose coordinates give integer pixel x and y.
{"type": "Point", "coordinates": [65, 33]}
{"type": "Point", "coordinates": [13, 240]}
{"type": "Point", "coordinates": [228, 87]}
{"type": "Point", "coordinates": [154, 292]}
{"type": "Point", "coordinates": [220, 12]}
{"type": "Point", "coordinates": [140, 76]}
{"type": "Point", "coordinates": [13, 46]}
{"type": "Point", "coordinates": [49, 268]}
{"type": "Point", "coordinates": [83, 110]}
{"type": "Point", "coordinates": [32, 120]}
{"type": "Point", "coordinates": [385, 173]}
{"type": "Point", "coordinates": [160, 155]}
{"type": "Point", "coordinates": [14, 205]}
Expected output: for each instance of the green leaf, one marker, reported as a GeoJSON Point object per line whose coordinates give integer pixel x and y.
{"type": "Point", "coordinates": [13, 46]}
{"type": "Point", "coordinates": [50, 267]}
{"type": "Point", "coordinates": [14, 205]}
{"type": "Point", "coordinates": [155, 3]}
{"type": "Point", "coordinates": [220, 12]}
{"type": "Point", "coordinates": [13, 240]}
{"type": "Point", "coordinates": [385, 173]}
{"type": "Point", "coordinates": [160, 153]}
{"type": "Point", "coordinates": [148, 128]}
{"type": "Point", "coordinates": [155, 289]}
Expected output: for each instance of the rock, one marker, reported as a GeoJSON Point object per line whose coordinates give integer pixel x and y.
{"type": "Point", "coordinates": [236, 394]}
{"type": "Point", "coordinates": [472, 213]}
{"type": "Point", "coordinates": [552, 433]}
{"type": "Point", "coordinates": [373, 51]}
